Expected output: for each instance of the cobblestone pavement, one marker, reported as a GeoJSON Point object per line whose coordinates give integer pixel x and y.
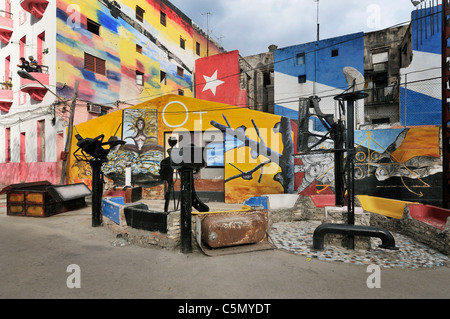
{"type": "Point", "coordinates": [296, 237]}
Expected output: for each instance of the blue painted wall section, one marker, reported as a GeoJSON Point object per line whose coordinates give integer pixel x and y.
{"type": "Point", "coordinates": [320, 64]}
{"type": "Point", "coordinates": [422, 94]}
{"type": "Point", "coordinates": [111, 208]}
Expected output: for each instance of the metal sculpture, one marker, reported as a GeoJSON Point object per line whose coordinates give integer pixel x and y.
{"type": "Point", "coordinates": [186, 160]}
{"type": "Point", "coordinates": [344, 176]}
{"type": "Point", "coordinates": [92, 150]}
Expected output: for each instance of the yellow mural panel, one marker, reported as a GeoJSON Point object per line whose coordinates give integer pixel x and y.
{"type": "Point", "coordinates": [253, 143]}
{"type": "Point", "coordinates": [423, 141]}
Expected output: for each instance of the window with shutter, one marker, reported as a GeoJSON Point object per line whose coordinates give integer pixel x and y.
{"type": "Point", "coordinates": [94, 64]}
{"type": "Point", "coordinates": [182, 43]}
{"type": "Point", "coordinates": [89, 62]}
{"type": "Point", "coordinates": [180, 71]}
{"type": "Point", "coordinates": [100, 66]}
{"type": "Point", "coordinates": [140, 14]}
{"type": "Point", "coordinates": [162, 18]}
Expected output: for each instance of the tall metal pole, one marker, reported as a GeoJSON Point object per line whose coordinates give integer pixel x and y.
{"type": "Point", "coordinates": [97, 191]}
{"type": "Point", "coordinates": [445, 106]}
{"type": "Point", "coordinates": [315, 51]}
{"type": "Point", "coordinates": [338, 139]}
{"type": "Point", "coordinates": [187, 180]}
{"type": "Point", "coordinates": [318, 26]}
{"type": "Point", "coordinates": [207, 32]}
{"type": "Point", "coordinates": [350, 168]}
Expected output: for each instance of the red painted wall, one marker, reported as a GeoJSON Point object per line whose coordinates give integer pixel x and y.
{"type": "Point", "coordinates": [14, 173]}
{"type": "Point", "coordinates": [217, 79]}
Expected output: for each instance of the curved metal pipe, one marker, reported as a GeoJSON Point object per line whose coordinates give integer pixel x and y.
{"type": "Point", "coordinates": [388, 241]}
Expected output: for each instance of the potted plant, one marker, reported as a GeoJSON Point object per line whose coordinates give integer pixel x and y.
{"type": "Point", "coordinates": [7, 85]}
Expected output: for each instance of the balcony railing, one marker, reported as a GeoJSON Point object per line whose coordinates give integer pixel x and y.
{"type": "Point", "coordinates": [381, 95]}
{"type": "Point", "coordinates": [35, 89]}
{"type": "Point", "coordinates": [35, 7]}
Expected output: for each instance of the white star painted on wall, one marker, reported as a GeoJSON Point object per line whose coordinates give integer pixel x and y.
{"type": "Point", "coordinates": [212, 83]}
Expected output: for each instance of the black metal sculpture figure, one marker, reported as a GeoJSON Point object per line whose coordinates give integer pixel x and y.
{"type": "Point", "coordinates": [184, 160]}
{"type": "Point", "coordinates": [166, 174]}
{"type": "Point", "coordinates": [343, 175]}
{"type": "Point", "coordinates": [93, 151]}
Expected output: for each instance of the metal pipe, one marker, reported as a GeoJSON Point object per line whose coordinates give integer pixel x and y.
{"type": "Point", "coordinates": [388, 241]}
{"type": "Point", "coordinates": [97, 192]}
{"type": "Point", "coordinates": [187, 181]}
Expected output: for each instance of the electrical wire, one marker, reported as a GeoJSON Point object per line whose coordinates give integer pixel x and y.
{"type": "Point", "coordinates": [276, 62]}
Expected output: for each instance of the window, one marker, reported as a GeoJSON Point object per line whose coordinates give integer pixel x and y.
{"type": "Point", "coordinates": [180, 71]}
{"type": "Point", "coordinates": [94, 64]}
{"type": "Point", "coordinates": [139, 78]}
{"type": "Point", "coordinates": [7, 68]}
{"type": "Point", "coordinates": [300, 58]}
{"type": "Point", "coordinates": [302, 78]}
{"type": "Point", "coordinates": [41, 141]}
{"type": "Point", "coordinates": [162, 77]}
{"type": "Point", "coordinates": [182, 43]}
{"type": "Point", "coordinates": [22, 44]}
{"type": "Point", "coordinates": [380, 61]}
{"type": "Point", "coordinates": [41, 48]}
{"type": "Point", "coordinates": [22, 144]}
{"type": "Point", "coordinates": [93, 27]}
{"type": "Point", "coordinates": [380, 121]}
{"type": "Point", "coordinates": [7, 145]}
{"type": "Point", "coordinates": [162, 18]}
{"type": "Point", "coordinates": [139, 14]}
{"type": "Point", "coordinates": [197, 48]}
{"type": "Point", "coordinates": [180, 92]}
{"type": "Point", "coordinates": [138, 49]}
{"type": "Point", "coordinates": [22, 98]}
{"type": "Point", "coordinates": [335, 52]}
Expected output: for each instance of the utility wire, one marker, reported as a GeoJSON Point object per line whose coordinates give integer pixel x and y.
{"type": "Point", "coordinates": [276, 62]}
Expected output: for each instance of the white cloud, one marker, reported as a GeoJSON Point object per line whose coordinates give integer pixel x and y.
{"type": "Point", "coordinates": [250, 26]}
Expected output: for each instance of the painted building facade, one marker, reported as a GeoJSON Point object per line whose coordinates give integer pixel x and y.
{"type": "Point", "coordinates": [421, 81]}
{"type": "Point", "coordinates": [385, 53]}
{"type": "Point", "coordinates": [315, 68]}
{"type": "Point", "coordinates": [218, 79]}
{"type": "Point", "coordinates": [120, 52]}
{"type": "Point", "coordinates": [248, 153]}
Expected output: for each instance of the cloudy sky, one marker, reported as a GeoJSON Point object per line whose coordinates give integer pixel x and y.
{"type": "Point", "coordinates": [250, 26]}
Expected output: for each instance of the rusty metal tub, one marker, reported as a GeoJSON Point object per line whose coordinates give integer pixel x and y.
{"type": "Point", "coordinates": [235, 231]}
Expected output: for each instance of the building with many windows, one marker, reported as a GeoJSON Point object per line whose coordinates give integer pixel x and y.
{"type": "Point", "coordinates": [120, 53]}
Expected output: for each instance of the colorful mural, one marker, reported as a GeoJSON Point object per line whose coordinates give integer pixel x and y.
{"type": "Point", "coordinates": [315, 68]}
{"type": "Point", "coordinates": [141, 151]}
{"type": "Point", "coordinates": [140, 60]}
{"type": "Point", "coordinates": [401, 163]}
{"type": "Point", "coordinates": [217, 79]}
{"type": "Point", "coordinates": [421, 89]}
{"type": "Point", "coordinates": [256, 146]}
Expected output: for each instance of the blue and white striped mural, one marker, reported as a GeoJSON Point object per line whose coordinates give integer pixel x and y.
{"type": "Point", "coordinates": [421, 80]}
{"type": "Point", "coordinates": [315, 68]}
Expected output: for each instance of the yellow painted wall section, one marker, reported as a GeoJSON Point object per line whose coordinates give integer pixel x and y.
{"type": "Point", "coordinates": [177, 113]}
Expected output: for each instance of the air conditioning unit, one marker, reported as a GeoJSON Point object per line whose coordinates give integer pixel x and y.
{"type": "Point", "coordinates": [92, 108]}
